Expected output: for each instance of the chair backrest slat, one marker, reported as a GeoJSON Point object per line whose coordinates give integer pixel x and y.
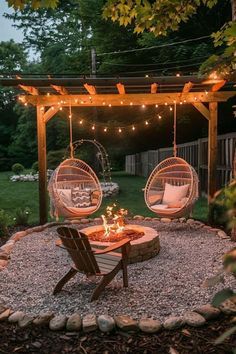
{"type": "Point", "coordinates": [79, 248]}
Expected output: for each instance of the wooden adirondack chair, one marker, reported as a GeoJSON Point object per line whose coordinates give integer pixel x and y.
{"type": "Point", "coordinates": [104, 263]}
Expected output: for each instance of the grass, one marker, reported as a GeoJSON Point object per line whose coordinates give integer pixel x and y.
{"type": "Point", "coordinates": [16, 195]}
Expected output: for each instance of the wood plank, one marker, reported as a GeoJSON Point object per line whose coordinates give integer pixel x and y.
{"type": "Point", "coordinates": [202, 109]}
{"type": "Point", "coordinates": [50, 113]}
{"type": "Point", "coordinates": [30, 89]}
{"type": "Point", "coordinates": [91, 89]}
{"type": "Point", "coordinates": [60, 89]}
{"type": "Point", "coordinates": [187, 87]}
{"type": "Point", "coordinates": [217, 86]}
{"type": "Point", "coordinates": [120, 88]}
{"type": "Point", "coordinates": [135, 99]}
{"type": "Point", "coordinates": [154, 87]}
{"type": "Point", "coordinates": [41, 132]}
{"type": "Point", "coordinates": [212, 150]}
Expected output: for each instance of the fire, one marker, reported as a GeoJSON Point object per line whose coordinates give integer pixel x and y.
{"type": "Point", "coordinates": [118, 218]}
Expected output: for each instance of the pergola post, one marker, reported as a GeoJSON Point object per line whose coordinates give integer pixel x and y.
{"type": "Point", "coordinates": [212, 150]}
{"type": "Point", "coordinates": [41, 130]}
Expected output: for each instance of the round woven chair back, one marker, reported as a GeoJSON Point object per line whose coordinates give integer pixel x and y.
{"type": "Point", "coordinates": [74, 190]}
{"type": "Point", "coordinates": [176, 172]}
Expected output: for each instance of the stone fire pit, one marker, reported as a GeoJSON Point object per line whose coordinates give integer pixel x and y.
{"type": "Point", "coordinates": [146, 247]}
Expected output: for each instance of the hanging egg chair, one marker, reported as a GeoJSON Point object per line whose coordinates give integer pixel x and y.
{"type": "Point", "coordinates": [172, 188]}
{"type": "Point", "coordinates": [74, 190]}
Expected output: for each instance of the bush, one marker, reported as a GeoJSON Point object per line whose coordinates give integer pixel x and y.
{"type": "Point", "coordinates": [22, 216]}
{"type": "Point", "coordinates": [35, 166]}
{"type": "Point", "coordinates": [5, 221]}
{"type": "Point", "coordinates": [17, 168]}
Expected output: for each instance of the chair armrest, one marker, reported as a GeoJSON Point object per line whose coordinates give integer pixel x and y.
{"type": "Point", "coordinates": [111, 248]}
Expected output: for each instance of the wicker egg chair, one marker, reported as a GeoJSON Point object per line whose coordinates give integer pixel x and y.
{"type": "Point", "coordinates": [176, 172]}
{"type": "Point", "coordinates": [74, 190]}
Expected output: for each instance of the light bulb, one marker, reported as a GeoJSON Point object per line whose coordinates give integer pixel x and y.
{"type": "Point", "coordinates": [143, 106]}
{"type": "Point", "coordinates": [171, 109]}
{"type": "Point", "coordinates": [133, 127]}
{"type": "Point", "coordinates": [119, 130]}
{"type": "Point", "coordinates": [105, 130]}
{"type": "Point", "coordinates": [131, 103]}
{"type": "Point", "coordinates": [146, 122]}
{"type": "Point", "coordinates": [103, 103]}
{"type": "Point", "coordinates": [121, 102]}
{"type": "Point", "coordinates": [159, 116]}
{"type": "Point", "coordinates": [25, 104]}
{"type": "Point", "coordinates": [165, 103]}
{"type": "Point", "coordinates": [156, 105]}
{"type": "Point", "coordinates": [109, 105]}
{"type": "Point", "coordinates": [70, 115]}
{"type": "Point", "coordinates": [80, 122]}
{"type": "Point", "coordinates": [178, 75]}
{"type": "Point", "coordinates": [93, 127]}
{"type": "Point", "coordinates": [60, 108]}
{"type": "Point", "coordinates": [181, 102]}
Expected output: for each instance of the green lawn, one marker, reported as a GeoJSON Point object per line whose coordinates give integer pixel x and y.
{"type": "Point", "coordinates": [14, 195]}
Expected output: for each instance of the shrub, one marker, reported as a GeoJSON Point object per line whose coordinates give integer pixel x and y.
{"type": "Point", "coordinates": [35, 166]}
{"type": "Point", "coordinates": [4, 223]}
{"type": "Point", "coordinates": [22, 216]}
{"type": "Point", "coordinates": [223, 207]}
{"type": "Point", "coordinates": [17, 168]}
{"type": "Point", "coordinates": [54, 158]}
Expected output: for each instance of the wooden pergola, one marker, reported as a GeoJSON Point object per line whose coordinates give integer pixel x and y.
{"type": "Point", "coordinates": [48, 94]}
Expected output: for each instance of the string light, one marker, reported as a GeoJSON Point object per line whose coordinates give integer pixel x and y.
{"type": "Point", "coordinates": [165, 103]}
{"type": "Point", "coordinates": [143, 106]}
{"type": "Point", "coordinates": [60, 108]}
{"type": "Point", "coordinates": [81, 122]}
{"type": "Point", "coordinates": [181, 102]}
{"type": "Point", "coordinates": [156, 105]}
{"type": "Point", "coordinates": [146, 122]}
{"type": "Point", "coordinates": [184, 101]}
{"type": "Point", "coordinates": [206, 92]}
{"type": "Point", "coordinates": [105, 130]}
{"type": "Point", "coordinates": [133, 127]}
{"type": "Point", "coordinates": [70, 115]}
{"type": "Point", "coordinates": [159, 116]}
{"type": "Point", "coordinates": [76, 100]}
{"type": "Point", "coordinates": [131, 103]}
{"type": "Point", "coordinates": [121, 102]}
{"type": "Point", "coordinates": [109, 105]}
{"type": "Point", "coordinates": [178, 74]}
{"type": "Point", "coordinates": [195, 98]}
{"type": "Point", "coordinates": [48, 94]}
{"type": "Point", "coordinates": [93, 127]}
{"type": "Point", "coordinates": [25, 104]}
{"type": "Point", "coordinates": [120, 130]}
{"type": "Point", "coordinates": [81, 102]}
{"type": "Point", "coordinates": [171, 109]}
{"type": "Point", "coordinates": [103, 103]}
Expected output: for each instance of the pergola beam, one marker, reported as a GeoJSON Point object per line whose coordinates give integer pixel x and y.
{"type": "Point", "coordinates": [120, 88]}
{"type": "Point", "coordinates": [127, 99]}
{"type": "Point", "coordinates": [154, 87]}
{"type": "Point", "coordinates": [187, 87]}
{"type": "Point", "coordinates": [60, 89]}
{"type": "Point", "coordinates": [202, 109]}
{"type": "Point", "coordinates": [218, 86]}
{"type": "Point", "coordinates": [91, 89]}
{"type": "Point", "coordinates": [30, 89]}
{"type": "Point", "coordinates": [50, 113]}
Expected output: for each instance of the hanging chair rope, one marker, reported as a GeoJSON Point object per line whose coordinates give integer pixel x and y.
{"type": "Point", "coordinates": [71, 134]}
{"type": "Point", "coordinates": [175, 126]}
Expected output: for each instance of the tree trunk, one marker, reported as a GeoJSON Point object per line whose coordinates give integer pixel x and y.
{"type": "Point", "coordinates": [233, 6]}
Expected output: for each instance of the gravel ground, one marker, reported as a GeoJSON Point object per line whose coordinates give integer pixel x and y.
{"type": "Point", "coordinates": [168, 284]}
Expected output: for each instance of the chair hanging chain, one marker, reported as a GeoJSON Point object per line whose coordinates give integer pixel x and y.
{"type": "Point", "coordinates": [175, 122]}
{"type": "Point", "coordinates": [71, 134]}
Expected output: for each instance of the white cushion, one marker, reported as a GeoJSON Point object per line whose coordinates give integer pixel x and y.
{"type": "Point", "coordinates": [65, 196]}
{"type": "Point", "coordinates": [174, 194]}
{"type": "Point", "coordinates": [163, 208]}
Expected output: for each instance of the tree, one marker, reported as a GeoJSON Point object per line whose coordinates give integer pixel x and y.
{"type": "Point", "coordinates": [160, 17]}
{"type": "Point", "coordinates": [35, 4]}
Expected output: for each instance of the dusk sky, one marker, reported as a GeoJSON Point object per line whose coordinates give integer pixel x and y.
{"type": "Point", "coordinates": [7, 31]}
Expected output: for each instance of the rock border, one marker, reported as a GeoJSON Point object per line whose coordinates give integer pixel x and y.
{"type": "Point", "coordinates": [105, 323]}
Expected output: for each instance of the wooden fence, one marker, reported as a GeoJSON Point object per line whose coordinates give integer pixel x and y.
{"type": "Point", "coordinates": [195, 153]}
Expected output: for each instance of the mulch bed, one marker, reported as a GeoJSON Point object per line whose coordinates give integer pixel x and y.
{"type": "Point", "coordinates": [182, 341]}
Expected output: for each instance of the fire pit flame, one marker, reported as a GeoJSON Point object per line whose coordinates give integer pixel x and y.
{"type": "Point", "coordinates": [118, 218]}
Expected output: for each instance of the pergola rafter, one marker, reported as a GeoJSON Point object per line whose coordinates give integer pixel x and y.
{"type": "Point", "coordinates": [203, 94]}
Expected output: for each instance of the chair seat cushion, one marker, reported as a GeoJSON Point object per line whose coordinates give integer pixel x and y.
{"type": "Point", "coordinates": [83, 210]}
{"type": "Point", "coordinates": [163, 208]}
